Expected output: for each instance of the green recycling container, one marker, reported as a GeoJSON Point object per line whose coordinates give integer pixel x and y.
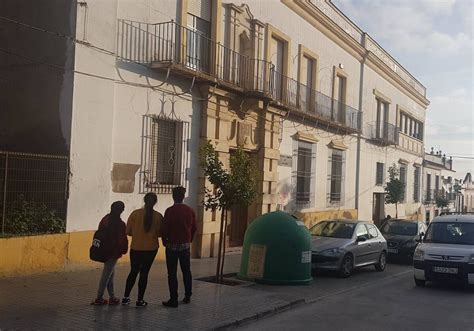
{"type": "Point", "coordinates": [277, 250]}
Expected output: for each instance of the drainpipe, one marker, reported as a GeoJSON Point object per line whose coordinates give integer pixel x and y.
{"type": "Point", "coordinates": [359, 134]}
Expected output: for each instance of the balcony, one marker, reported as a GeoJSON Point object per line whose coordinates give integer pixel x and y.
{"type": "Point", "coordinates": [170, 46]}
{"type": "Point", "coordinates": [188, 53]}
{"type": "Point", "coordinates": [383, 133]}
{"type": "Point", "coordinates": [289, 93]}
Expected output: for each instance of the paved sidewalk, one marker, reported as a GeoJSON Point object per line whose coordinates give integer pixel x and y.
{"type": "Point", "coordinates": [61, 301]}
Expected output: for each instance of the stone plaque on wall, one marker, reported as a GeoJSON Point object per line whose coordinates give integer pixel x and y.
{"type": "Point", "coordinates": [285, 161]}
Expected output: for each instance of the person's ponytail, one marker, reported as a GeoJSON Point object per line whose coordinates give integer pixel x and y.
{"type": "Point", "coordinates": [150, 200]}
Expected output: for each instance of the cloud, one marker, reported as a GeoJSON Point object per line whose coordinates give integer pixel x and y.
{"type": "Point", "coordinates": [413, 27]}
{"type": "Point", "coordinates": [434, 40]}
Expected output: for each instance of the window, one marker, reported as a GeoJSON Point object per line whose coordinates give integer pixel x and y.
{"type": "Point", "coordinates": [428, 187]}
{"type": "Point", "coordinates": [361, 231]}
{"type": "Point", "coordinates": [410, 126]}
{"type": "Point", "coordinates": [403, 179]}
{"type": "Point", "coordinates": [278, 58]}
{"type": "Point", "coordinates": [198, 46]}
{"type": "Point", "coordinates": [416, 184]}
{"type": "Point", "coordinates": [336, 176]}
{"type": "Point", "coordinates": [373, 233]}
{"type": "Point", "coordinates": [333, 229]}
{"type": "Point", "coordinates": [379, 177]}
{"type": "Point", "coordinates": [341, 98]}
{"type": "Point", "coordinates": [164, 156]}
{"type": "Point", "coordinates": [453, 233]}
{"type": "Point", "coordinates": [304, 176]}
{"type": "Point", "coordinates": [382, 119]}
{"type": "Point", "coordinates": [307, 79]}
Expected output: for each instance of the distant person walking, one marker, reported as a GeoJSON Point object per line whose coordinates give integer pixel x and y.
{"type": "Point", "coordinates": [115, 244]}
{"type": "Point", "coordinates": [144, 227]}
{"type": "Point", "coordinates": [179, 226]}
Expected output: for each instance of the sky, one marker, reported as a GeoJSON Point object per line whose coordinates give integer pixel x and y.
{"type": "Point", "coordinates": [433, 39]}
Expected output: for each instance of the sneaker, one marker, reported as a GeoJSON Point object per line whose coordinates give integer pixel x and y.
{"type": "Point", "coordinates": [186, 300]}
{"type": "Point", "coordinates": [141, 303]}
{"type": "Point", "coordinates": [170, 304]}
{"type": "Point", "coordinates": [113, 301]}
{"type": "Point", "coordinates": [125, 301]}
{"type": "Point", "coordinates": [99, 302]}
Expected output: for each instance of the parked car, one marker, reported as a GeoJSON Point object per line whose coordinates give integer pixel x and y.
{"type": "Point", "coordinates": [342, 245]}
{"type": "Point", "coordinates": [446, 251]}
{"type": "Point", "coordinates": [402, 237]}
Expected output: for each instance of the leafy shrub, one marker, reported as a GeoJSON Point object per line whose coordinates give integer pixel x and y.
{"type": "Point", "coordinates": [31, 217]}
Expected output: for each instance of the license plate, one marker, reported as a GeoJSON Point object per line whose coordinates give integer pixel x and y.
{"type": "Point", "coordinates": [392, 250]}
{"type": "Point", "coordinates": [444, 270]}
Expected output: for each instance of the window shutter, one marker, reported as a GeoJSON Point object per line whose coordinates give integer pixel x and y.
{"type": "Point", "coordinates": [200, 8]}
{"type": "Point", "coordinates": [343, 177]}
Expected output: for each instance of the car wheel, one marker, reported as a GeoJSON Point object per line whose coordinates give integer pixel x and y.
{"type": "Point", "coordinates": [347, 266]}
{"type": "Point", "coordinates": [382, 264]}
{"type": "Point", "coordinates": [420, 282]}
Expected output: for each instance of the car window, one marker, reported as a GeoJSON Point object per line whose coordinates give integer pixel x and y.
{"type": "Point", "coordinates": [373, 233]}
{"type": "Point", "coordinates": [334, 229]}
{"type": "Point", "coordinates": [400, 228]}
{"type": "Point", "coordinates": [450, 233]}
{"type": "Point", "coordinates": [361, 231]}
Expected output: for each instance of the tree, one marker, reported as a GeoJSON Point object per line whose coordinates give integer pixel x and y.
{"type": "Point", "coordinates": [234, 186]}
{"type": "Point", "coordinates": [395, 189]}
{"type": "Point", "coordinates": [441, 202]}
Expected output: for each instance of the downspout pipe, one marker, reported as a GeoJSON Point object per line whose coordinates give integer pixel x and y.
{"type": "Point", "coordinates": [361, 121]}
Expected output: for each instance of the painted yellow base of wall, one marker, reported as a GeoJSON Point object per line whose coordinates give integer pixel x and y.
{"type": "Point", "coordinates": [311, 218]}
{"type": "Point", "coordinates": [49, 253]}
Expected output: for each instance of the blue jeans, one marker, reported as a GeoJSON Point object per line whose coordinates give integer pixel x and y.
{"type": "Point", "coordinates": [107, 279]}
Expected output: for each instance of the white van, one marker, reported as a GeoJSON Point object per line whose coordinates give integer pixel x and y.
{"type": "Point", "coordinates": [446, 251]}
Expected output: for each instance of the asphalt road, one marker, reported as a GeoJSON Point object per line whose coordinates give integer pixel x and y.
{"type": "Point", "coordinates": [387, 303]}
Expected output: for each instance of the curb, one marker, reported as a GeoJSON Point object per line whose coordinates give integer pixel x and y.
{"type": "Point", "coordinates": [260, 315]}
{"type": "Point", "coordinates": [299, 302]}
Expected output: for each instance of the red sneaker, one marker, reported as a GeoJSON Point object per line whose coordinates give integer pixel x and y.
{"type": "Point", "coordinates": [99, 302]}
{"type": "Point", "coordinates": [114, 301]}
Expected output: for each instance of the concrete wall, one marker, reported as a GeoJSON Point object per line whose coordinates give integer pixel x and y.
{"type": "Point", "coordinates": [107, 116]}
{"type": "Point", "coordinates": [323, 150]}
{"type": "Point", "coordinates": [50, 253]}
{"type": "Point", "coordinates": [332, 55]}
{"type": "Point", "coordinates": [35, 90]}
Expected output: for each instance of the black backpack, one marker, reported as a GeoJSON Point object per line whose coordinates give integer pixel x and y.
{"type": "Point", "coordinates": [99, 249]}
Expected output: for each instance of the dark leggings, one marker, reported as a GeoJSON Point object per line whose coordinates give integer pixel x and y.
{"type": "Point", "coordinates": [140, 262]}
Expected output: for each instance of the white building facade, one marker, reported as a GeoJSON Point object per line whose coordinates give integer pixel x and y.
{"type": "Point", "coordinates": [321, 104]}
{"type": "Point", "coordinates": [438, 182]}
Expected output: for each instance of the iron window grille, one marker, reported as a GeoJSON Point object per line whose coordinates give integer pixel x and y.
{"type": "Point", "coordinates": [416, 185]}
{"type": "Point", "coordinates": [336, 176]}
{"type": "Point", "coordinates": [379, 176]}
{"type": "Point", "coordinates": [304, 173]}
{"type": "Point", "coordinates": [403, 179]}
{"type": "Point", "coordinates": [164, 154]}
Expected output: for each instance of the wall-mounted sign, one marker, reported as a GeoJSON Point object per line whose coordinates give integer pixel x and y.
{"type": "Point", "coordinates": [285, 161]}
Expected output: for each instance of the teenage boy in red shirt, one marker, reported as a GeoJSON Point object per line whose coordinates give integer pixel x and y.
{"type": "Point", "coordinates": [177, 231]}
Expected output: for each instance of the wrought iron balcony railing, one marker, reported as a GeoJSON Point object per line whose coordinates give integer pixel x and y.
{"type": "Point", "coordinates": [383, 132]}
{"type": "Point", "coordinates": [190, 52]}
{"type": "Point", "coordinates": [295, 95]}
